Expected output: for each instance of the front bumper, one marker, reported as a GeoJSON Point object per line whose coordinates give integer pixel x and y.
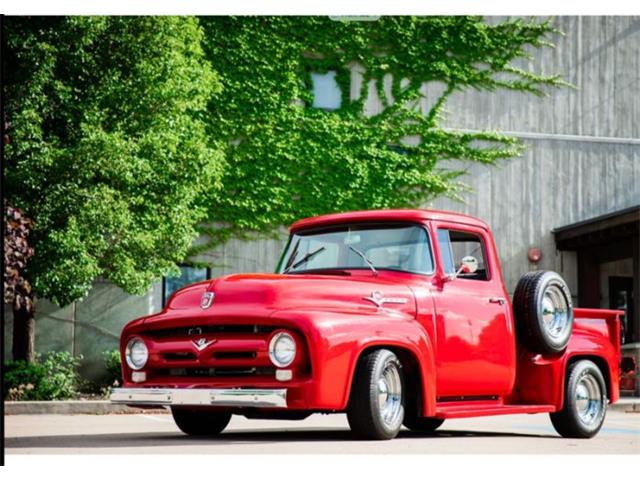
{"type": "Point", "coordinates": [218, 397]}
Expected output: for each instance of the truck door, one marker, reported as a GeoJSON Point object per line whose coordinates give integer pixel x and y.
{"type": "Point", "coordinates": [474, 330]}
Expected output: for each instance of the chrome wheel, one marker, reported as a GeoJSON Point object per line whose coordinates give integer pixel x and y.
{"type": "Point", "coordinates": [588, 399]}
{"type": "Point", "coordinates": [585, 402]}
{"type": "Point", "coordinates": [556, 317]}
{"type": "Point", "coordinates": [376, 410]}
{"type": "Point", "coordinates": [390, 395]}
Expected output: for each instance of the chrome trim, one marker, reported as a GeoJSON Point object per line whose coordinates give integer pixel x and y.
{"type": "Point", "coordinates": [272, 349]}
{"type": "Point", "coordinates": [588, 400]}
{"type": "Point", "coordinates": [224, 397]}
{"type": "Point", "coordinates": [556, 312]}
{"type": "Point", "coordinates": [390, 395]}
{"type": "Point", "coordinates": [127, 353]}
{"type": "Point", "coordinates": [207, 300]}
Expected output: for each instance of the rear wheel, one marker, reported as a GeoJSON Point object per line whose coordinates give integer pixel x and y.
{"type": "Point", "coordinates": [585, 402]}
{"type": "Point", "coordinates": [199, 423]}
{"type": "Point", "coordinates": [376, 408]}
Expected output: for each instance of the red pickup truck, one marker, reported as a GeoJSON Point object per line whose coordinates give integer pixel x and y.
{"type": "Point", "coordinates": [394, 317]}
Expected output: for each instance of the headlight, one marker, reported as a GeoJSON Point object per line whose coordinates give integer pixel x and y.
{"type": "Point", "coordinates": [136, 353]}
{"type": "Point", "coordinates": [282, 349]}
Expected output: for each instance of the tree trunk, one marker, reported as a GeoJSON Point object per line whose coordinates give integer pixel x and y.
{"type": "Point", "coordinates": [24, 332]}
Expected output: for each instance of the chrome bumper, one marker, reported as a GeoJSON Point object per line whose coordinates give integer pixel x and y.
{"type": "Point", "coordinates": [225, 397]}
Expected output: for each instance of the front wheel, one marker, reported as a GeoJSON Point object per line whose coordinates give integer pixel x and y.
{"type": "Point", "coordinates": [376, 409]}
{"type": "Point", "coordinates": [585, 402]}
{"type": "Point", "coordinates": [200, 423]}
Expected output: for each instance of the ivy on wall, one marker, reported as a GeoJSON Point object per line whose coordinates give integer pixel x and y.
{"type": "Point", "coordinates": [287, 160]}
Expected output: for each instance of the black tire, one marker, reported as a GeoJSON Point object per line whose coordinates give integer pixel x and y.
{"type": "Point", "coordinates": [200, 423]}
{"type": "Point", "coordinates": [423, 424]}
{"type": "Point", "coordinates": [543, 312]}
{"type": "Point", "coordinates": [364, 412]}
{"type": "Point", "coordinates": [570, 422]}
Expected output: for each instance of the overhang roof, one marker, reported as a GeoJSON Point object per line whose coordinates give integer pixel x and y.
{"type": "Point", "coordinates": [604, 229]}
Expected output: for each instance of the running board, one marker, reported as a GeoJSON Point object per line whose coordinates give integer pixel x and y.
{"type": "Point", "coordinates": [483, 408]}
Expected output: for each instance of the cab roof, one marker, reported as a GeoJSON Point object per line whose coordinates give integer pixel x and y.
{"type": "Point", "coordinates": [401, 215]}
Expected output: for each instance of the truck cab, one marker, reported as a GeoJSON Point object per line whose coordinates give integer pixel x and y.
{"type": "Point", "coordinates": [395, 317]}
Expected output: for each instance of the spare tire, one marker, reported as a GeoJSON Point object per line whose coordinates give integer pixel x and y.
{"type": "Point", "coordinates": [543, 312]}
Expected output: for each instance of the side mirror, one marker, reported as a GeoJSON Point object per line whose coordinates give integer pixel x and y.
{"type": "Point", "coordinates": [468, 264]}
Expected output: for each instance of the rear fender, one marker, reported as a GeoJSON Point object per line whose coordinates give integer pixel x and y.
{"type": "Point", "coordinates": [541, 379]}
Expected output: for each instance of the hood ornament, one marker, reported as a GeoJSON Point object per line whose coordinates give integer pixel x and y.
{"type": "Point", "coordinates": [207, 300]}
{"type": "Point", "coordinates": [202, 343]}
{"type": "Point", "coordinates": [378, 299]}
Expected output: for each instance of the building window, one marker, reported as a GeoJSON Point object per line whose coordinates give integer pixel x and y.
{"type": "Point", "coordinates": [188, 275]}
{"type": "Point", "coordinates": [326, 91]}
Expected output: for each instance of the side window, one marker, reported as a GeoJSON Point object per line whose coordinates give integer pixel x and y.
{"type": "Point", "coordinates": [455, 245]}
{"type": "Point", "coordinates": [445, 252]}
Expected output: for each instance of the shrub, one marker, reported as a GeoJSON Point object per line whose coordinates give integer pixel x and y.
{"type": "Point", "coordinates": [114, 367]}
{"type": "Point", "coordinates": [55, 377]}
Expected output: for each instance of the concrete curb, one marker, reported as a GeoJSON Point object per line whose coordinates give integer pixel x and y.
{"type": "Point", "coordinates": [626, 404]}
{"type": "Point", "coordinates": [73, 407]}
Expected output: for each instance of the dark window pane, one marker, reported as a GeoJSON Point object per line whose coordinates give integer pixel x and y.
{"type": "Point", "coordinates": [188, 275]}
{"type": "Point", "coordinates": [326, 91]}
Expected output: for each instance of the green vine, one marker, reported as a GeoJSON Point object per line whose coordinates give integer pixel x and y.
{"type": "Point", "coordinates": [287, 160]}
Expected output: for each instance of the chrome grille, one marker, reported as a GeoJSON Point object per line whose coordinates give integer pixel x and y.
{"type": "Point", "coordinates": [209, 329]}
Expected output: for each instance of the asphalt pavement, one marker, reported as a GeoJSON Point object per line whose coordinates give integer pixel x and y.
{"type": "Point", "coordinates": [157, 434]}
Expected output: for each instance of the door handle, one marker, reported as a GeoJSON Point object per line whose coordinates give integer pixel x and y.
{"type": "Point", "coordinates": [498, 300]}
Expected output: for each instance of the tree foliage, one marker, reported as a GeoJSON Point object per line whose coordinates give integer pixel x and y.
{"type": "Point", "coordinates": [109, 153]}
{"type": "Point", "coordinates": [288, 160]}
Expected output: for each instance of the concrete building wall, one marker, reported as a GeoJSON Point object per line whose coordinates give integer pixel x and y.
{"type": "Point", "coordinates": [89, 327]}
{"type": "Point", "coordinates": [599, 55]}
{"type": "Point", "coordinates": [582, 160]}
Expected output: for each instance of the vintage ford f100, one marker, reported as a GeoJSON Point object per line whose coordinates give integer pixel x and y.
{"type": "Point", "coordinates": [394, 317]}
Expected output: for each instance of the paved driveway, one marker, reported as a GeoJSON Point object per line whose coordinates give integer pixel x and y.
{"type": "Point", "coordinates": [157, 434]}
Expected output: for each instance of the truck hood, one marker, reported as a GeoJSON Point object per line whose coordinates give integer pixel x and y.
{"type": "Point", "coordinates": [261, 295]}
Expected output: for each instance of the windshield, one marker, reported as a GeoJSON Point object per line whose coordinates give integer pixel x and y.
{"type": "Point", "coordinates": [384, 247]}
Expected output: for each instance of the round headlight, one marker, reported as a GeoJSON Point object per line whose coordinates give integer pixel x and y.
{"type": "Point", "coordinates": [136, 353]}
{"type": "Point", "coordinates": [282, 349]}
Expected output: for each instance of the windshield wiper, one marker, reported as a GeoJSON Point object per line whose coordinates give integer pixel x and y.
{"type": "Point", "coordinates": [304, 259]}
{"type": "Point", "coordinates": [364, 257]}
{"type": "Point", "coordinates": [292, 257]}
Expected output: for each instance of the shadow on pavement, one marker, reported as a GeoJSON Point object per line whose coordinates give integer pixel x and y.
{"type": "Point", "coordinates": [163, 439]}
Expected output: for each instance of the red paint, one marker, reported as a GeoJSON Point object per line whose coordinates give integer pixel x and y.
{"type": "Point", "coordinates": [461, 339]}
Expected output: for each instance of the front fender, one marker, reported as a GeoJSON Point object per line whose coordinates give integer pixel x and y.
{"type": "Point", "coordinates": [336, 340]}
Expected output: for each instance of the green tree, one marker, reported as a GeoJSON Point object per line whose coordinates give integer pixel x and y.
{"type": "Point", "coordinates": [288, 160]}
{"type": "Point", "coordinates": [108, 154]}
